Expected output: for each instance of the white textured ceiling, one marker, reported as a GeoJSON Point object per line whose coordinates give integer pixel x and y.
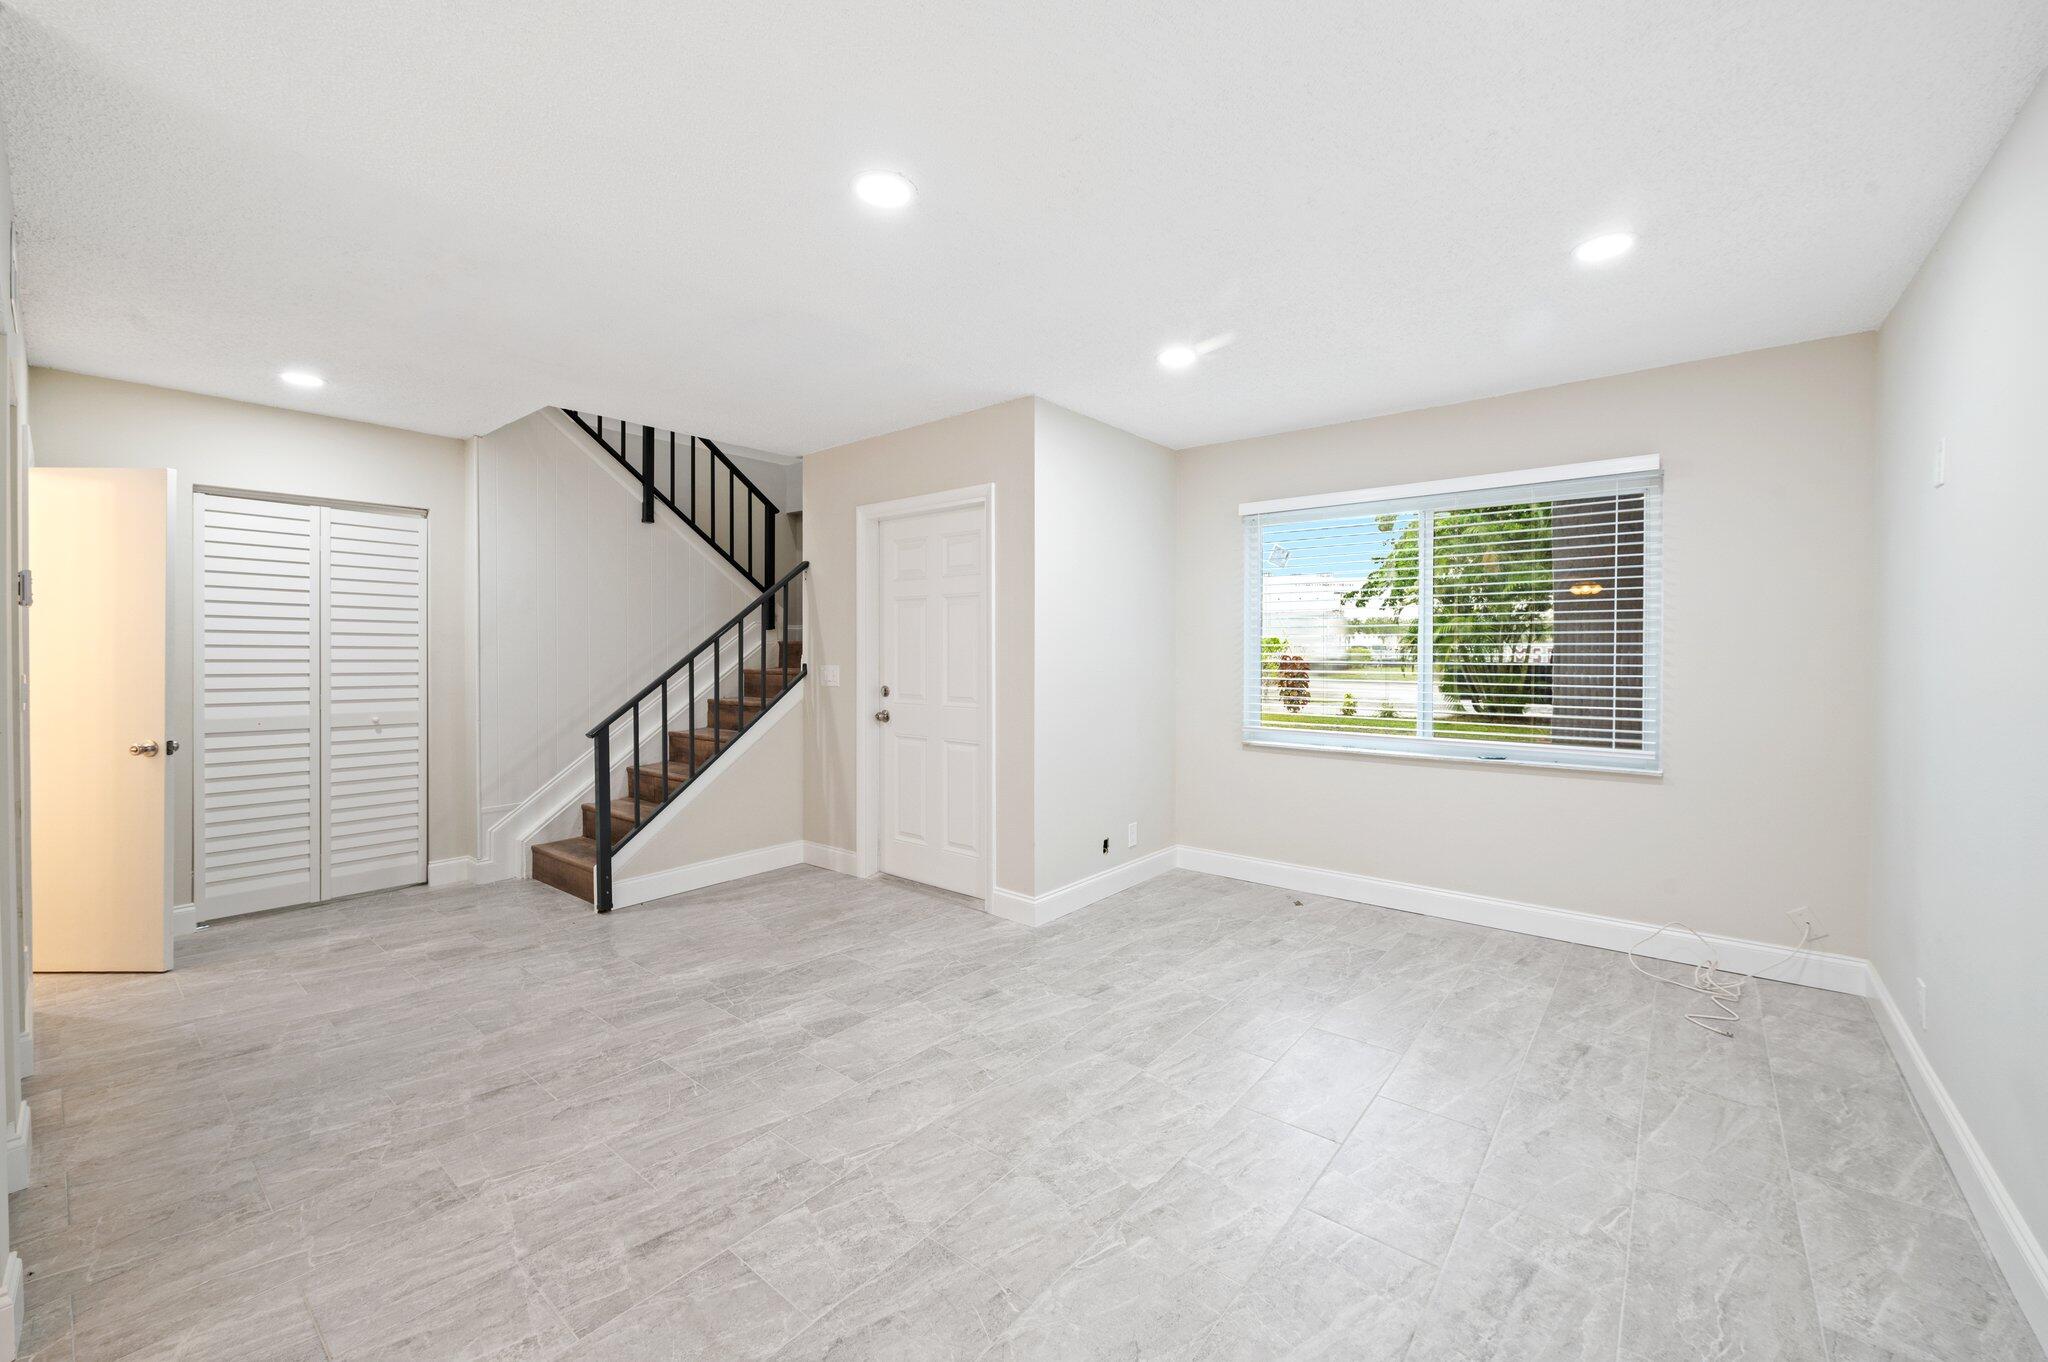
{"type": "Point", "coordinates": [459, 211]}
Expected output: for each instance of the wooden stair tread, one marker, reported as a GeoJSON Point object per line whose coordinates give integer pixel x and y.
{"type": "Point", "coordinates": [576, 850]}
{"type": "Point", "coordinates": [569, 865]}
{"type": "Point", "coordinates": [678, 774]}
{"type": "Point", "coordinates": [708, 740]}
{"type": "Point", "coordinates": [623, 818]}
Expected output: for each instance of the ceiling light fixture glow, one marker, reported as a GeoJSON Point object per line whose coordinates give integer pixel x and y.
{"type": "Point", "coordinates": [1177, 356]}
{"type": "Point", "coordinates": [302, 378]}
{"type": "Point", "coordinates": [1601, 249]}
{"type": "Point", "coordinates": [884, 189]}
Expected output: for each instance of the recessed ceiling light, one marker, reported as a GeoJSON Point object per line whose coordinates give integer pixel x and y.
{"type": "Point", "coordinates": [302, 378]}
{"type": "Point", "coordinates": [1601, 249]}
{"type": "Point", "coordinates": [1177, 356]}
{"type": "Point", "coordinates": [884, 189]}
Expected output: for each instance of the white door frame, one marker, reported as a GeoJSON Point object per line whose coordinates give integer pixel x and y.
{"type": "Point", "coordinates": [867, 679]}
{"type": "Point", "coordinates": [197, 746]}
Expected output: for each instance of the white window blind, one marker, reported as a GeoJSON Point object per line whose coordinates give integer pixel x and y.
{"type": "Point", "coordinates": [1503, 618]}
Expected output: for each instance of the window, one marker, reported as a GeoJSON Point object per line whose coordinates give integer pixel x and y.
{"type": "Point", "coordinates": [1507, 618]}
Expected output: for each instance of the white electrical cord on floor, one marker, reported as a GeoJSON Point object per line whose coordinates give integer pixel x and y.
{"type": "Point", "coordinates": [1718, 987]}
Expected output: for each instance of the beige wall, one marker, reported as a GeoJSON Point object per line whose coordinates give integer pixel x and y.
{"type": "Point", "coordinates": [1764, 805]}
{"type": "Point", "coordinates": [993, 445]}
{"type": "Point", "coordinates": [83, 422]}
{"type": "Point", "coordinates": [1962, 809]}
{"type": "Point", "coordinates": [1104, 646]}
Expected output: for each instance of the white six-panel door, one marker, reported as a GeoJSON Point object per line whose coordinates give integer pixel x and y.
{"type": "Point", "coordinates": [311, 661]}
{"type": "Point", "coordinates": [935, 742]}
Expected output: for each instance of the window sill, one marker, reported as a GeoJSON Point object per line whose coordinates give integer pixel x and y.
{"type": "Point", "coordinates": [1577, 768]}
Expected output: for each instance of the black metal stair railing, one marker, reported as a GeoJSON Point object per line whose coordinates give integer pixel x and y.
{"type": "Point", "coordinates": [700, 484]}
{"type": "Point", "coordinates": [728, 640]}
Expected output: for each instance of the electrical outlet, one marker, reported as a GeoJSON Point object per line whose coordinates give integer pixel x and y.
{"type": "Point", "coordinates": [1131, 835]}
{"type": "Point", "coordinates": [1941, 463]}
{"type": "Point", "coordinates": [831, 674]}
{"type": "Point", "coordinates": [1920, 996]}
{"type": "Point", "coordinates": [1105, 846]}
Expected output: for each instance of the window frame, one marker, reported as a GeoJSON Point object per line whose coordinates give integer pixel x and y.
{"type": "Point", "coordinates": [1425, 498]}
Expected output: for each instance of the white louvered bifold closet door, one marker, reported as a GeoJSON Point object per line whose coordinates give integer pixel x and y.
{"type": "Point", "coordinates": [258, 704]}
{"type": "Point", "coordinates": [312, 702]}
{"type": "Point", "coordinates": [374, 665]}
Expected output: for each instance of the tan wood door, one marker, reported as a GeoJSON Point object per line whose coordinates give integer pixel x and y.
{"type": "Point", "coordinates": [99, 718]}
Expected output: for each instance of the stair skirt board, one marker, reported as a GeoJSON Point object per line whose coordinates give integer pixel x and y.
{"type": "Point", "coordinates": [504, 850]}
{"type": "Point", "coordinates": [570, 870]}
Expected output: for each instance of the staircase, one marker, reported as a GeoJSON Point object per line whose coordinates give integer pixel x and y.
{"type": "Point", "coordinates": [677, 727]}
{"type": "Point", "coordinates": [571, 865]}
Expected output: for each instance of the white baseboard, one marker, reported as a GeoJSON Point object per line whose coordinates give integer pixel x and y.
{"type": "Point", "coordinates": [20, 1147]}
{"type": "Point", "coordinates": [454, 870]}
{"type": "Point", "coordinates": [184, 920]}
{"type": "Point", "coordinates": [831, 858]}
{"type": "Point", "coordinates": [13, 1308]}
{"type": "Point", "coordinates": [2006, 1232]}
{"type": "Point", "coordinates": [702, 874]}
{"type": "Point", "coordinates": [1817, 969]}
{"type": "Point", "coordinates": [1037, 910]}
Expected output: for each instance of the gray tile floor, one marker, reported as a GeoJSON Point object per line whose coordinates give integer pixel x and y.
{"type": "Point", "coordinates": [805, 1116]}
